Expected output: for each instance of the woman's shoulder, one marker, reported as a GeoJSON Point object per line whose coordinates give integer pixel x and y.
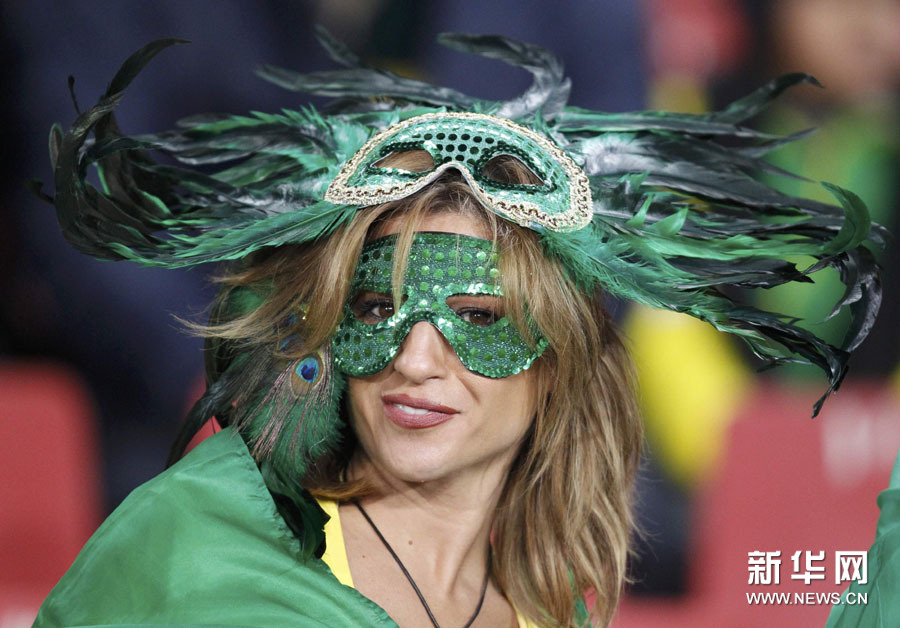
{"type": "Point", "coordinates": [203, 542]}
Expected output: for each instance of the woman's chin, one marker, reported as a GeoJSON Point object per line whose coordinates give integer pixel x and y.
{"type": "Point", "coordinates": [420, 469]}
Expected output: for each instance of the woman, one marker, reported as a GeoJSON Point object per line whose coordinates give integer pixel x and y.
{"type": "Point", "coordinates": [414, 335]}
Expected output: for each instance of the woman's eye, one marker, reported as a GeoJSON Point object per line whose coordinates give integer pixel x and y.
{"type": "Point", "coordinates": [482, 310]}
{"type": "Point", "coordinates": [372, 307]}
{"type": "Point", "coordinates": [478, 316]}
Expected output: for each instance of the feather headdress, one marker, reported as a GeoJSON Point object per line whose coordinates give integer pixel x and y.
{"type": "Point", "coordinates": [676, 219]}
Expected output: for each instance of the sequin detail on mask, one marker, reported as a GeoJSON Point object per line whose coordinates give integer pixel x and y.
{"type": "Point", "coordinates": [440, 265]}
{"type": "Point", "coordinates": [466, 142]}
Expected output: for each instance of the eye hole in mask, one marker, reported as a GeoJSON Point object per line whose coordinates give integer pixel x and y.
{"type": "Point", "coordinates": [507, 169]}
{"type": "Point", "coordinates": [407, 160]}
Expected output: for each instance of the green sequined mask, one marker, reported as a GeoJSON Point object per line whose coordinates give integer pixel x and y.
{"type": "Point", "coordinates": [446, 275]}
{"type": "Point", "coordinates": [467, 142]}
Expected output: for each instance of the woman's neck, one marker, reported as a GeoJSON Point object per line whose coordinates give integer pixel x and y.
{"type": "Point", "coordinates": [442, 526]}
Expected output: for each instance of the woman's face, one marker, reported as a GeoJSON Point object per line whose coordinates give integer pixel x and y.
{"type": "Point", "coordinates": [424, 417]}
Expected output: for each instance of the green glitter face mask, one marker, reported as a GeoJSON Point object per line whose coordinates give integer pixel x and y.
{"type": "Point", "coordinates": [452, 282]}
{"type": "Point", "coordinates": [467, 142]}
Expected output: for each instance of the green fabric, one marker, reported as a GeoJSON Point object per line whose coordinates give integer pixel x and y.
{"type": "Point", "coordinates": [203, 544]}
{"type": "Point", "coordinates": [882, 609]}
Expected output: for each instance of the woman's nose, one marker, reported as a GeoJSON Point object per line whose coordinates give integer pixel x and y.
{"type": "Point", "coordinates": [423, 354]}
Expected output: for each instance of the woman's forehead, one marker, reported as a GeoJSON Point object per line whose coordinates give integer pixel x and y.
{"type": "Point", "coordinates": [444, 221]}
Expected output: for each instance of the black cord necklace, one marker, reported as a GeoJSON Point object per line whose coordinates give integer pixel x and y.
{"type": "Point", "coordinates": [434, 621]}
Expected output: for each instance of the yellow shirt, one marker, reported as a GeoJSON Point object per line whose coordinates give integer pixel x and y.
{"type": "Point", "coordinates": [335, 555]}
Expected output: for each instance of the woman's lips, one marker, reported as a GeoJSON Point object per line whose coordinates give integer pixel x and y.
{"type": "Point", "coordinates": [413, 413]}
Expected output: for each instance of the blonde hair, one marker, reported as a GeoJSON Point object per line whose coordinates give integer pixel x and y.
{"type": "Point", "coordinates": [564, 520]}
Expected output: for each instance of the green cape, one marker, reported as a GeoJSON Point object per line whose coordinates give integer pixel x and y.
{"type": "Point", "coordinates": [883, 584]}
{"type": "Point", "coordinates": [204, 543]}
